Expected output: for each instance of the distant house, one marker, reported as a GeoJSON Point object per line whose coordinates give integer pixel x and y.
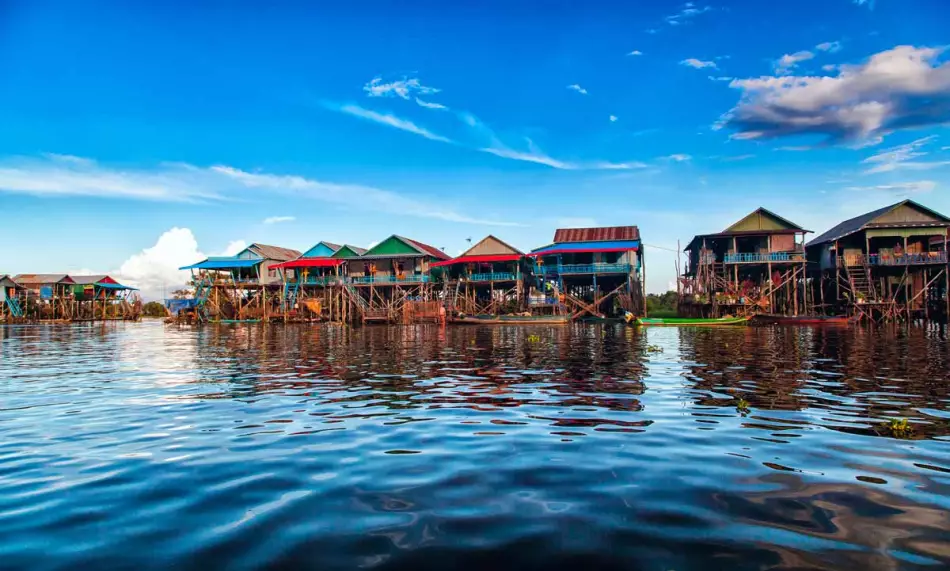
{"type": "Point", "coordinates": [885, 264]}
{"type": "Point", "coordinates": [252, 265]}
{"type": "Point", "coordinates": [756, 265]}
{"type": "Point", "coordinates": [45, 286]}
{"type": "Point", "coordinates": [10, 297]}
{"type": "Point", "coordinates": [588, 267]}
{"type": "Point", "coordinates": [395, 260]}
{"type": "Point", "coordinates": [485, 279]}
{"type": "Point", "coordinates": [96, 287]}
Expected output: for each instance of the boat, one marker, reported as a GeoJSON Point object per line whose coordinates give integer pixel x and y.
{"type": "Point", "coordinates": [691, 321]}
{"type": "Point", "coordinates": [510, 320]}
{"type": "Point", "coordinates": [803, 319]}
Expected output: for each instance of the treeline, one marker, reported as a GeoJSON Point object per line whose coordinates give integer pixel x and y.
{"type": "Point", "coordinates": [662, 305]}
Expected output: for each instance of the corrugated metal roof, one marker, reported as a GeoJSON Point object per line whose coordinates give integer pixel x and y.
{"type": "Point", "coordinates": [222, 264]}
{"type": "Point", "coordinates": [274, 252]}
{"type": "Point", "coordinates": [86, 280]}
{"type": "Point", "coordinates": [425, 249]}
{"type": "Point", "coordinates": [857, 223]}
{"type": "Point", "coordinates": [43, 278]}
{"type": "Point", "coordinates": [356, 249]}
{"type": "Point", "coordinates": [331, 245]}
{"type": "Point", "coordinates": [8, 280]}
{"type": "Point", "coordinates": [563, 235]}
{"type": "Point", "coordinates": [581, 247]}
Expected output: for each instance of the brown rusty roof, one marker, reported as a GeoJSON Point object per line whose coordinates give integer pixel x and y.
{"type": "Point", "coordinates": [274, 252]}
{"type": "Point", "coordinates": [34, 279]}
{"type": "Point", "coordinates": [562, 235]}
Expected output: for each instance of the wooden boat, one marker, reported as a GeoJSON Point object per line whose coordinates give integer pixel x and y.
{"type": "Point", "coordinates": [691, 322]}
{"type": "Point", "coordinates": [510, 320]}
{"type": "Point", "coordinates": [803, 319]}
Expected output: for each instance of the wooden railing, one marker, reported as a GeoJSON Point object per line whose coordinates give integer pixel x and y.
{"type": "Point", "coordinates": [389, 279]}
{"type": "Point", "coordinates": [755, 258]}
{"type": "Point", "coordinates": [893, 259]}
{"type": "Point", "coordinates": [594, 268]}
{"type": "Point", "coordinates": [492, 277]}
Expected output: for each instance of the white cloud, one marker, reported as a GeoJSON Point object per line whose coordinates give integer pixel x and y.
{"type": "Point", "coordinates": [635, 53]}
{"type": "Point", "coordinates": [65, 175]}
{"type": "Point", "coordinates": [429, 104]}
{"type": "Point", "coordinates": [613, 118]}
{"type": "Point", "coordinates": [688, 12]}
{"type": "Point", "coordinates": [404, 88]}
{"type": "Point", "coordinates": [652, 31]}
{"type": "Point", "coordinates": [577, 88]}
{"type": "Point", "coordinates": [279, 219]}
{"type": "Point", "coordinates": [787, 62]}
{"type": "Point", "coordinates": [698, 63]}
{"type": "Point", "coordinates": [830, 47]}
{"type": "Point", "coordinates": [738, 158]}
{"type": "Point", "coordinates": [798, 148]}
{"type": "Point", "coordinates": [391, 121]}
{"type": "Point", "coordinates": [234, 248]}
{"type": "Point", "coordinates": [678, 157]}
{"type": "Point", "coordinates": [183, 182]}
{"type": "Point", "coordinates": [156, 268]}
{"type": "Point", "coordinates": [904, 87]}
{"type": "Point", "coordinates": [868, 3]}
{"type": "Point", "coordinates": [720, 78]}
{"type": "Point", "coordinates": [829, 67]}
{"type": "Point", "coordinates": [900, 189]}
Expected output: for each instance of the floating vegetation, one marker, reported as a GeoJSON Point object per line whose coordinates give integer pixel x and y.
{"type": "Point", "coordinates": [742, 406]}
{"type": "Point", "coordinates": [534, 338]}
{"type": "Point", "coordinates": [898, 428]}
{"type": "Point", "coordinates": [654, 349]}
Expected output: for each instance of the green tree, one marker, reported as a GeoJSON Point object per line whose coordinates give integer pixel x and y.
{"type": "Point", "coordinates": [154, 309]}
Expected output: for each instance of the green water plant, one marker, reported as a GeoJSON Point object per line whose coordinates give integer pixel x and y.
{"type": "Point", "coordinates": [742, 406]}
{"type": "Point", "coordinates": [654, 349]}
{"type": "Point", "coordinates": [534, 338]}
{"type": "Point", "coordinates": [898, 427]}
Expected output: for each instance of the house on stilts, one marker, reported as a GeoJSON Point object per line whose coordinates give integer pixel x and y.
{"type": "Point", "coordinates": [390, 282]}
{"type": "Point", "coordinates": [11, 300]}
{"type": "Point", "coordinates": [486, 279]}
{"type": "Point", "coordinates": [888, 264]}
{"type": "Point", "coordinates": [596, 272]}
{"type": "Point", "coordinates": [756, 265]}
{"type": "Point", "coordinates": [313, 283]}
{"type": "Point", "coordinates": [243, 287]}
{"type": "Point", "coordinates": [46, 297]}
{"type": "Point", "coordinates": [102, 298]}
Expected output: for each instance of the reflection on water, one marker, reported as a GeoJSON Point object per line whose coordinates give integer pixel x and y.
{"type": "Point", "coordinates": [587, 446]}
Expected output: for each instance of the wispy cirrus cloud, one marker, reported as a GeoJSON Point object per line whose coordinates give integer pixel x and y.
{"type": "Point", "coordinates": [902, 157]}
{"type": "Point", "coordinates": [678, 158]}
{"type": "Point", "coordinates": [899, 189]}
{"type": "Point", "coordinates": [408, 88]}
{"type": "Point", "coordinates": [785, 63]}
{"type": "Point", "coordinates": [830, 47]}
{"type": "Point", "coordinates": [635, 53]}
{"type": "Point", "coordinates": [279, 219]}
{"type": "Point", "coordinates": [689, 11]}
{"type": "Point", "coordinates": [868, 3]}
{"type": "Point", "coordinates": [55, 177]}
{"type": "Point", "coordinates": [902, 88]}
{"type": "Point", "coordinates": [389, 120]}
{"type": "Point", "coordinates": [698, 63]}
{"type": "Point", "coordinates": [577, 88]}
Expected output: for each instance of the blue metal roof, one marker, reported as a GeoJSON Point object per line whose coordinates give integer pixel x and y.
{"type": "Point", "coordinates": [116, 287]}
{"type": "Point", "coordinates": [223, 264]}
{"type": "Point", "coordinates": [610, 245]}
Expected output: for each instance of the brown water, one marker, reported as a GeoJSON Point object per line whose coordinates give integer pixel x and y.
{"type": "Point", "coordinates": [589, 446]}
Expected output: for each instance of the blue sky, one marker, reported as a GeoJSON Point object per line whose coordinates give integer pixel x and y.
{"type": "Point", "coordinates": [134, 138]}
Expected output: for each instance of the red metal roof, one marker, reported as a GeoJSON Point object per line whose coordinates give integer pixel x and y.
{"type": "Point", "coordinates": [486, 258]}
{"type": "Point", "coordinates": [429, 249]}
{"type": "Point", "coordinates": [562, 235]}
{"type": "Point", "coordinates": [311, 263]}
{"type": "Point", "coordinates": [594, 250]}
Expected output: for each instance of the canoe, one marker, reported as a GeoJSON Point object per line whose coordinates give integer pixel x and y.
{"type": "Point", "coordinates": [691, 322]}
{"type": "Point", "coordinates": [804, 319]}
{"type": "Point", "coordinates": [510, 320]}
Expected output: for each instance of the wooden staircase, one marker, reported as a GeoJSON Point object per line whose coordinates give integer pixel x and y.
{"type": "Point", "coordinates": [859, 277]}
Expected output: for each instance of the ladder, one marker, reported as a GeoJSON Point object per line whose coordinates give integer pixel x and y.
{"type": "Point", "coordinates": [14, 306]}
{"type": "Point", "coordinates": [859, 276]}
{"type": "Point", "coordinates": [290, 295]}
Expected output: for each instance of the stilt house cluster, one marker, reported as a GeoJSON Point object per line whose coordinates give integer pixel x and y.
{"type": "Point", "coordinates": [29, 298]}
{"type": "Point", "coordinates": [590, 272]}
{"type": "Point", "coordinates": [886, 265]}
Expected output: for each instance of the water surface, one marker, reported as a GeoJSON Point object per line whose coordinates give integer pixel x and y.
{"type": "Point", "coordinates": [141, 446]}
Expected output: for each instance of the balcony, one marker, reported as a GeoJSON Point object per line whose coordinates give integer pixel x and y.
{"type": "Point", "coordinates": [390, 280]}
{"type": "Point", "coordinates": [883, 260]}
{"type": "Point", "coordinates": [770, 257]}
{"type": "Point", "coordinates": [321, 280]}
{"type": "Point", "coordinates": [492, 277]}
{"type": "Point", "coordinates": [568, 269]}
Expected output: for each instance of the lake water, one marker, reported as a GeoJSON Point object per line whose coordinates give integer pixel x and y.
{"type": "Point", "coordinates": [145, 446]}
